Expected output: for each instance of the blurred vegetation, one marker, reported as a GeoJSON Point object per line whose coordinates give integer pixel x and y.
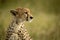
{"type": "Point", "coordinates": [46, 23]}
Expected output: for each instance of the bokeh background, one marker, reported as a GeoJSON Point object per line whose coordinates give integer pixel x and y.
{"type": "Point", "coordinates": [46, 22]}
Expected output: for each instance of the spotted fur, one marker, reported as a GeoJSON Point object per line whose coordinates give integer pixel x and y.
{"type": "Point", "coordinates": [17, 30]}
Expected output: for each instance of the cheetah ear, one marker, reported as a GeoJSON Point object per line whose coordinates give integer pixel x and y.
{"type": "Point", "coordinates": [13, 12]}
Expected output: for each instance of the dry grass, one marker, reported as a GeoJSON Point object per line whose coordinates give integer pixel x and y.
{"type": "Point", "coordinates": [46, 22]}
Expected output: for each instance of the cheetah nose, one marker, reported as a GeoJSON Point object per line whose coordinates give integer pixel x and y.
{"type": "Point", "coordinates": [31, 17]}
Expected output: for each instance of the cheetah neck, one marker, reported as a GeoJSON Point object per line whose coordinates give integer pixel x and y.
{"type": "Point", "coordinates": [17, 20]}
{"type": "Point", "coordinates": [17, 24]}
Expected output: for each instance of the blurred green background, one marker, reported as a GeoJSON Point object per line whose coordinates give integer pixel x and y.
{"type": "Point", "coordinates": [46, 22]}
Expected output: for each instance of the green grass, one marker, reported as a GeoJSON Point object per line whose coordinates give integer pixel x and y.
{"type": "Point", "coordinates": [46, 22]}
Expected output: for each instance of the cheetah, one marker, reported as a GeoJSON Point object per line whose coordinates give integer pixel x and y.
{"type": "Point", "coordinates": [17, 30]}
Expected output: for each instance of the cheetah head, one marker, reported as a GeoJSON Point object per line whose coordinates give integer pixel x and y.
{"type": "Point", "coordinates": [22, 14]}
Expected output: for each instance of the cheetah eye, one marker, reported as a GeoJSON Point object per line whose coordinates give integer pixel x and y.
{"type": "Point", "coordinates": [26, 12]}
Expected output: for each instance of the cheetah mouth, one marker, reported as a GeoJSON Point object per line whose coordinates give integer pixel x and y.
{"type": "Point", "coordinates": [29, 19]}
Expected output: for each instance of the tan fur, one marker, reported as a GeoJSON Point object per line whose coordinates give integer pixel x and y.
{"type": "Point", "coordinates": [16, 30]}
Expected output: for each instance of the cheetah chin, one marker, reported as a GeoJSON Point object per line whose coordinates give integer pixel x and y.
{"type": "Point", "coordinates": [30, 20]}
